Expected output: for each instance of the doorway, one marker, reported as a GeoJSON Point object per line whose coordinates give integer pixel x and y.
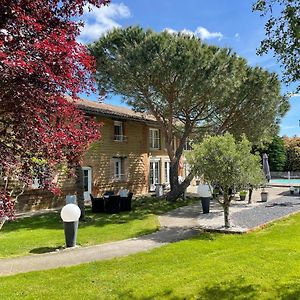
{"type": "Point", "coordinates": [154, 174]}
{"type": "Point", "coordinates": [87, 182]}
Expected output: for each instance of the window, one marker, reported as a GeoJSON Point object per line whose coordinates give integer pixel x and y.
{"type": "Point", "coordinates": [119, 169]}
{"type": "Point", "coordinates": [167, 171]}
{"type": "Point", "coordinates": [154, 138]}
{"type": "Point", "coordinates": [186, 169]}
{"type": "Point", "coordinates": [187, 146]}
{"type": "Point", "coordinates": [119, 132]}
{"type": "Point", "coordinates": [40, 175]}
{"type": "Point", "coordinates": [87, 182]}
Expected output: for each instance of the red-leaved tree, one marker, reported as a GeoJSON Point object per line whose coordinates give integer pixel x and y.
{"type": "Point", "coordinates": [40, 63]}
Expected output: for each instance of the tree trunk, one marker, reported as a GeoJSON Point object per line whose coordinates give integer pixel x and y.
{"type": "Point", "coordinates": [177, 189]}
{"type": "Point", "coordinates": [250, 196]}
{"type": "Point", "coordinates": [226, 215]}
{"type": "Point", "coordinates": [175, 154]}
{"type": "Point", "coordinates": [226, 205]}
{"type": "Point", "coordinates": [80, 191]}
{"type": "Point", "coordinates": [174, 173]}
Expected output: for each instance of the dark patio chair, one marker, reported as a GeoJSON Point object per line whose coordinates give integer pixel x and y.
{"type": "Point", "coordinates": [97, 204]}
{"type": "Point", "coordinates": [112, 204]}
{"type": "Point", "coordinates": [108, 193]}
{"type": "Point", "coordinates": [125, 202]}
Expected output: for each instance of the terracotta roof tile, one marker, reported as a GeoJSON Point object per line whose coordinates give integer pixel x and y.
{"type": "Point", "coordinates": [113, 111]}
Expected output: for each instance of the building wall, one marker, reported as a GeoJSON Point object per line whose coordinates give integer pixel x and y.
{"type": "Point", "coordinates": [133, 151]}
{"type": "Point", "coordinates": [136, 155]}
{"type": "Point", "coordinates": [37, 199]}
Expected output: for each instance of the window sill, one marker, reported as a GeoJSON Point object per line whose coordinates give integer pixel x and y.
{"type": "Point", "coordinates": [120, 138]}
{"type": "Point", "coordinates": [118, 141]}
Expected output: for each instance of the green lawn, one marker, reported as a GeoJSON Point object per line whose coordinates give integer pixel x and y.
{"type": "Point", "coordinates": [260, 265]}
{"type": "Point", "coordinates": [45, 233]}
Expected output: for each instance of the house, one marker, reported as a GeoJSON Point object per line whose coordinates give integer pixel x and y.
{"type": "Point", "coordinates": [130, 154]}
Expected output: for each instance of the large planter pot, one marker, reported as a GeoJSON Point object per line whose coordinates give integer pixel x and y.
{"type": "Point", "coordinates": [205, 202]}
{"type": "Point", "coordinates": [159, 190]}
{"type": "Point", "coordinates": [264, 196]}
{"type": "Point", "coordinates": [242, 197]}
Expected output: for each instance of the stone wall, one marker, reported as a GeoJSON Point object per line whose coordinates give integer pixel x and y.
{"type": "Point", "coordinates": [133, 151]}
{"type": "Point", "coordinates": [100, 158]}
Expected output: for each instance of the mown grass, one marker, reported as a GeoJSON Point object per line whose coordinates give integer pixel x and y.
{"type": "Point", "coordinates": [40, 234]}
{"type": "Point", "coordinates": [261, 265]}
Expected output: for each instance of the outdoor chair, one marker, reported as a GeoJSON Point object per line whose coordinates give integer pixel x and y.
{"type": "Point", "coordinates": [125, 202]}
{"type": "Point", "coordinates": [97, 204]}
{"type": "Point", "coordinates": [108, 193]}
{"type": "Point", "coordinates": [112, 204]}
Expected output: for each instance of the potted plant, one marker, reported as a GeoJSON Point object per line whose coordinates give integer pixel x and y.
{"type": "Point", "coordinates": [243, 195]}
{"type": "Point", "coordinates": [264, 195]}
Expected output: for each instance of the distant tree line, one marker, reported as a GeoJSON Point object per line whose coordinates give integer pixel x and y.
{"type": "Point", "coordinates": [284, 154]}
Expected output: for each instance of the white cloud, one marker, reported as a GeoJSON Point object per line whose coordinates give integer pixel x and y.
{"type": "Point", "coordinates": [289, 127]}
{"type": "Point", "coordinates": [237, 36]}
{"type": "Point", "coordinates": [204, 34]}
{"type": "Point", "coordinates": [100, 20]}
{"type": "Point", "coordinates": [200, 32]}
{"type": "Point", "coordinates": [295, 95]}
{"type": "Point", "coordinates": [170, 30]}
{"type": "Point", "coordinates": [187, 32]}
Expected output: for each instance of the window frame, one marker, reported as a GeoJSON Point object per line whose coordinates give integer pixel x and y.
{"type": "Point", "coordinates": [119, 169]}
{"type": "Point", "coordinates": [167, 171]}
{"type": "Point", "coordinates": [119, 137]}
{"type": "Point", "coordinates": [153, 139]}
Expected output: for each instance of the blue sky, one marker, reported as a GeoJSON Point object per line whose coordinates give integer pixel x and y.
{"type": "Point", "coordinates": [229, 23]}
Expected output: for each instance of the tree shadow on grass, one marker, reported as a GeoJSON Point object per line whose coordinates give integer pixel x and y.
{"type": "Point", "coordinates": [130, 295]}
{"type": "Point", "coordinates": [237, 288]}
{"type": "Point", "coordinates": [289, 291]}
{"type": "Point", "coordinates": [142, 207]}
{"type": "Point", "coordinates": [224, 290]}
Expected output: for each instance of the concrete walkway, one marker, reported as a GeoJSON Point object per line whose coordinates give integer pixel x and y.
{"type": "Point", "coordinates": [78, 255]}
{"type": "Point", "coordinates": [179, 224]}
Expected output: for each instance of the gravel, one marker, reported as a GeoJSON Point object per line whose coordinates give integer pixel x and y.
{"type": "Point", "coordinates": [266, 212]}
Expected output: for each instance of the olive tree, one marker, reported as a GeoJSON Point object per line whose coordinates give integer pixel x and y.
{"type": "Point", "coordinates": [228, 164]}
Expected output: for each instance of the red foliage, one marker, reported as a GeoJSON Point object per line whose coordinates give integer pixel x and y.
{"type": "Point", "coordinates": [40, 63]}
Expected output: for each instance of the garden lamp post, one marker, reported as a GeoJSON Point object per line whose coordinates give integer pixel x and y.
{"type": "Point", "coordinates": [70, 214]}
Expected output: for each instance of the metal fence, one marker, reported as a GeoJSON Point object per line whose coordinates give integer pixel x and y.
{"type": "Point", "coordinates": [287, 175]}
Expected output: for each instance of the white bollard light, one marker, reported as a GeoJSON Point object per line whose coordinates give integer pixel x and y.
{"type": "Point", "coordinates": [70, 214]}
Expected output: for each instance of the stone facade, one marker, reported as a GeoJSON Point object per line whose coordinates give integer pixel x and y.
{"type": "Point", "coordinates": [131, 151]}
{"type": "Point", "coordinates": [115, 161]}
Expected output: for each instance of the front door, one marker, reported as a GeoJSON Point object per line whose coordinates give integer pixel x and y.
{"type": "Point", "coordinates": [154, 174]}
{"type": "Point", "coordinates": [87, 182]}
